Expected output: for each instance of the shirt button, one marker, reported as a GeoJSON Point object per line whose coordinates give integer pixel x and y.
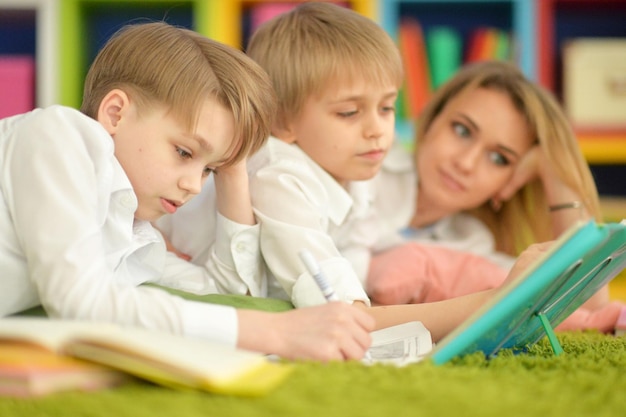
{"type": "Point", "coordinates": [240, 247]}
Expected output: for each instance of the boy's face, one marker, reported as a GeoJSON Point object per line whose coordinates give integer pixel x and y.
{"type": "Point", "coordinates": [167, 164]}
{"type": "Point", "coordinates": [348, 129]}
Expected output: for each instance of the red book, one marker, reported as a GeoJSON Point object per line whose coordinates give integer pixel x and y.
{"type": "Point", "coordinates": [417, 73]}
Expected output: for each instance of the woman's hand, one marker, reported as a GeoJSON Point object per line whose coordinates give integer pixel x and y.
{"type": "Point", "coordinates": [527, 169]}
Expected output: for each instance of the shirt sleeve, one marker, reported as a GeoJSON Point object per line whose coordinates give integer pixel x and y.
{"type": "Point", "coordinates": [57, 180]}
{"type": "Point", "coordinates": [292, 208]}
{"type": "Point", "coordinates": [228, 251]}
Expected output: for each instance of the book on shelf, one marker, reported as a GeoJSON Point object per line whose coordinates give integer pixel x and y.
{"type": "Point", "coordinates": [412, 47]}
{"type": "Point", "coordinates": [526, 309]}
{"type": "Point", "coordinates": [445, 56]}
{"type": "Point", "coordinates": [17, 84]}
{"type": "Point", "coordinates": [30, 371]}
{"type": "Point", "coordinates": [162, 358]}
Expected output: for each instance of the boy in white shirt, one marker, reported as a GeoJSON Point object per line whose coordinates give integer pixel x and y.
{"type": "Point", "coordinates": [163, 109]}
{"type": "Point", "coordinates": [337, 75]}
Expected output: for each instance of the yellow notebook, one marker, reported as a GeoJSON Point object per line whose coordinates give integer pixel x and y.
{"type": "Point", "coordinates": [162, 358]}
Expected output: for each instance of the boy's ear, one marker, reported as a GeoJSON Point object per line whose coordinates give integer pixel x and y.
{"type": "Point", "coordinates": [112, 108]}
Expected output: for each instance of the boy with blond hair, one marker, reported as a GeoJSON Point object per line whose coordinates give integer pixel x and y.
{"type": "Point", "coordinates": [163, 109]}
{"type": "Point", "coordinates": [337, 75]}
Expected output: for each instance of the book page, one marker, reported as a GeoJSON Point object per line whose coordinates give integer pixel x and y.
{"type": "Point", "coordinates": [400, 345]}
{"type": "Point", "coordinates": [47, 333]}
{"type": "Point", "coordinates": [163, 358]}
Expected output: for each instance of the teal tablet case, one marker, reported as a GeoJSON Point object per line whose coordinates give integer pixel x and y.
{"type": "Point", "coordinates": [584, 259]}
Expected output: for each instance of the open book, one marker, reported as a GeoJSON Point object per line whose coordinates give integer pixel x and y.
{"type": "Point", "coordinates": [162, 358]}
{"type": "Point", "coordinates": [580, 262]}
{"type": "Point", "coordinates": [400, 345]}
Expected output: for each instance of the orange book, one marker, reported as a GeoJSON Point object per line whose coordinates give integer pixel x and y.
{"type": "Point", "coordinates": [483, 44]}
{"type": "Point", "coordinates": [29, 371]}
{"type": "Point", "coordinates": [417, 73]}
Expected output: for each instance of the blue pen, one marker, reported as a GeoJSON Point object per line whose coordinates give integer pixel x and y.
{"type": "Point", "coordinates": [318, 275]}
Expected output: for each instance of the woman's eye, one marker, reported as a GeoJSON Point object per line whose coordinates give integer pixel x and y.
{"type": "Point", "coordinates": [183, 153]}
{"type": "Point", "coordinates": [498, 159]}
{"type": "Point", "coordinates": [388, 109]}
{"type": "Point", "coordinates": [207, 171]}
{"type": "Point", "coordinates": [461, 130]}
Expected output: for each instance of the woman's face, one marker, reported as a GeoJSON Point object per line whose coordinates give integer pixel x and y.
{"type": "Point", "coordinates": [470, 150]}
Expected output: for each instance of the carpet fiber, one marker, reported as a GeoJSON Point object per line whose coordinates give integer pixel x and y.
{"type": "Point", "coordinates": [589, 379]}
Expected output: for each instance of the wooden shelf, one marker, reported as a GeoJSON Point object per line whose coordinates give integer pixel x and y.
{"type": "Point", "coordinates": [603, 149]}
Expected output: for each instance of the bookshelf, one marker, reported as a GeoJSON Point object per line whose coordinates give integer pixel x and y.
{"type": "Point", "coordinates": [232, 25]}
{"type": "Point", "coordinates": [514, 18]}
{"type": "Point", "coordinates": [28, 28]}
{"type": "Point", "coordinates": [63, 35]}
{"type": "Point", "coordinates": [87, 24]}
{"type": "Point", "coordinates": [559, 22]}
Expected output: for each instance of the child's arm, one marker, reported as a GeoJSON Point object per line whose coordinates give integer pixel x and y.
{"type": "Point", "coordinates": [233, 194]}
{"type": "Point", "coordinates": [299, 207]}
{"type": "Point", "coordinates": [208, 230]}
{"type": "Point", "coordinates": [441, 317]}
{"type": "Point", "coordinates": [333, 331]}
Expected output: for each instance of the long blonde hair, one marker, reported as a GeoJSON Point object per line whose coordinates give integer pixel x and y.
{"type": "Point", "coordinates": [156, 63]}
{"type": "Point", "coordinates": [525, 218]}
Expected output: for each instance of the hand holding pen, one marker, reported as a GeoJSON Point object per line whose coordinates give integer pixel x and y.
{"type": "Point", "coordinates": [322, 282]}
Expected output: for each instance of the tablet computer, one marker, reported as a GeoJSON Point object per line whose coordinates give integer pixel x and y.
{"type": "Point", "coordinates": [580, 262]}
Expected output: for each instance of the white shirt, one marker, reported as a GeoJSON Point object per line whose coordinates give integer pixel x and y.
{"type": "Point", "coordinates": [299, 205]}
{"type": "Point", "coordinates": [69, 241]}
{"type": "Point", "coordinates": [395, 195]}
{"type": "Point", "coordinates": [198, 230]}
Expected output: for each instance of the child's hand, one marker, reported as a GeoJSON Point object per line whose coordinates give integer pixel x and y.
{"type": "Point", "coordinates": [233, 196]}
{"type": "Point", "coordinates": [237, 170]}
{"type": "Point", "coordinates": [171, 248]}
{"type": "Point", "coordinates": [333, 331]}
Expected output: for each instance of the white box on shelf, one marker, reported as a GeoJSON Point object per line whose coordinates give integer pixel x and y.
{"type": "Point", "coordinates": [594, 82]}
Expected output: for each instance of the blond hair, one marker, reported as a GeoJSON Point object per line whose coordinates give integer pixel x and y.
{"type": "Point", "coordinates": [156, 63]}
{"type": "Point", "coordinates": [525, 218]}
{"type": "Point", "coordinates": [316, 44]}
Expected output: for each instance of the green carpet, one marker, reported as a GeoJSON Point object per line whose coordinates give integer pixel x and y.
{"type": "Point", "coordinates": [589, 379]}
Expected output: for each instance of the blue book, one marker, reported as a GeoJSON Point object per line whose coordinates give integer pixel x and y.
{"type": "Point", "coordinates": [581, 261]}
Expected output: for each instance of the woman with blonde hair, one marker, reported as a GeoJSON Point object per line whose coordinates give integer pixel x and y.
{"type": "Point", "coordinates": [496, 167]}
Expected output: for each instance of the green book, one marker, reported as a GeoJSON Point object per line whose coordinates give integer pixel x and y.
{"type": "Point", "coordinates": [445, 56]}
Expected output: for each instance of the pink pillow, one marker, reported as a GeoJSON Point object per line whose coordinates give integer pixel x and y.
{"type": "Point", "coordinates": [418, 273]}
